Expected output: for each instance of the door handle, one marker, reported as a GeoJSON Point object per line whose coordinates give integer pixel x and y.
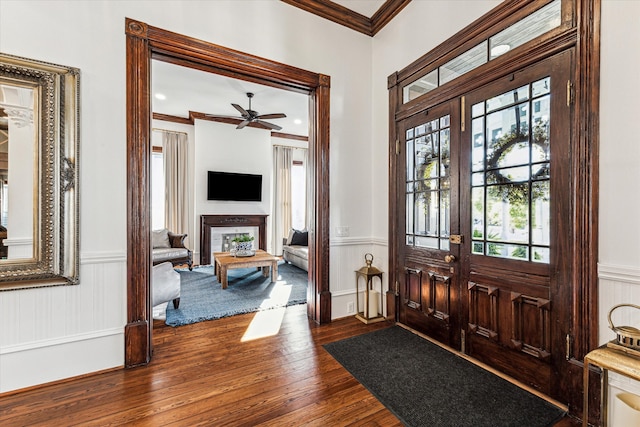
{"type": "Point", "coordinates": [449, 258]}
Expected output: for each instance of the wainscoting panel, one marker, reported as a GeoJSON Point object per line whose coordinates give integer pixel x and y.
{"type": "Point", "coordinates": [618, 285]}
{"type": "Point", "coordinates": [347, 256]}
{"type": "Point", "coordinates": [57, 332]}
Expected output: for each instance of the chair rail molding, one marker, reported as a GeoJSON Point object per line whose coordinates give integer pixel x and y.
{"type": "Point", "coordinates": [619, 273]}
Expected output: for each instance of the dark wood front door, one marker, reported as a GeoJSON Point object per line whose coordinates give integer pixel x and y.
{"type": "Point", "coordinates": [483, 197]}
{"type": "Point", "coordinates": [428, 198]}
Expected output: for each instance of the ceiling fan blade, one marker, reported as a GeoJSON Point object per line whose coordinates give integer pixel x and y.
{"type": "Point", "coordinates": [243, 124]}
{"type": "Point", "coordinates": [272, 116]}
{"type": "Point", "coordinates": [242, 111]}
{"type": "Point", "coordinates": [268, 125]}
{"type": "Point", "coordinates": [218, 116]}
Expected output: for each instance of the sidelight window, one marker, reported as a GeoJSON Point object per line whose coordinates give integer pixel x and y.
{"type": "Point", "coordinates": [428, 184]}
{"type": "Point", "coordinates": [510, 174]}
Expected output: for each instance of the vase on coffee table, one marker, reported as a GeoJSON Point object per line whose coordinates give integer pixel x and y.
{"type": "Point", "coordinates": [243, 246]}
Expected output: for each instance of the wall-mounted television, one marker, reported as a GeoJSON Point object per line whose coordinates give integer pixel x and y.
{"type": "Point", "coordinates": [241, 187]}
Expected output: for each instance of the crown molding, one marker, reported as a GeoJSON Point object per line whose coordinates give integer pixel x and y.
{"type": "Point", "coordinates": [350, 19]}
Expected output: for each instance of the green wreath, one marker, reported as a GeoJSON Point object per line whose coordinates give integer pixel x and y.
{"type": "Point", "coordinates": [503, 146]}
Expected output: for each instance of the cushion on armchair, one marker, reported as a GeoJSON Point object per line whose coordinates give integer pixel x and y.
{"type": "Point", "coordinates": [168, 246]}
{"type": "Point", "coordinates": [160, 239]}
{"type": "Point", "coordinates": [299, 238]}
{"type": "Point", "coordinates": [165, 285]}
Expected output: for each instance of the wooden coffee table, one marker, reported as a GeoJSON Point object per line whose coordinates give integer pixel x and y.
{"type": "Point", "coordinates": [225, 261]}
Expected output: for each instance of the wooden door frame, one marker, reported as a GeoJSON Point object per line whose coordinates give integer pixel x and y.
{"type": "Point", "coordinates": [581, 31]}
{"type": "Point", "coordinates": [144, 42]}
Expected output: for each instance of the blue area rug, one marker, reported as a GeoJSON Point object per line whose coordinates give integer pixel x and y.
{"type": "Point", "coordinates": [202, 297]}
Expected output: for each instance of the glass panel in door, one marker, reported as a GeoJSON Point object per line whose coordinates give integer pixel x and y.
{"type": "Point", "coordinates": [510, 193]}
{"type": "Point", "coordinates": [428, 184]}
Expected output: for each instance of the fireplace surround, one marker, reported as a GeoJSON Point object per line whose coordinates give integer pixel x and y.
{"type": "Point", "coordinates": [207, 222]}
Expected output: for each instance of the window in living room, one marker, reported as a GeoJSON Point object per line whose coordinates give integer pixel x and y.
{"type": "Point", "coordinates": [157, 189]}
{"type": "Point", "coordinates": [298, 195]}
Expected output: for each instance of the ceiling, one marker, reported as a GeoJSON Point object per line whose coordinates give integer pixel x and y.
{"type": "Point", "coordinates": [363, 7]}
{"type": "Point", "coordinates": [188, 90]}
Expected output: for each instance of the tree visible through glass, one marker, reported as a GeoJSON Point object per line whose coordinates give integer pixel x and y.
{"type": "Point", "coordinates": [510, 174]}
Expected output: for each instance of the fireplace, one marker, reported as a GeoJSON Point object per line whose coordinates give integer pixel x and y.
{"type": "Point", "coordinates": [239, 224]}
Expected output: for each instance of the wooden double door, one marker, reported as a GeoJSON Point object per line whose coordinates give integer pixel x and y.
{"type": "Point", "coordinates": [482, 217]}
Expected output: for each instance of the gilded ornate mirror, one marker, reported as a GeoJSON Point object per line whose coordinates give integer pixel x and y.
{"type": "Point", "coordinates": [38, 173]}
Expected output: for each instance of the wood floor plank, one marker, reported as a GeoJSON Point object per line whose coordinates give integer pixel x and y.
{"type": "Point", "coordinates": [205, 374]}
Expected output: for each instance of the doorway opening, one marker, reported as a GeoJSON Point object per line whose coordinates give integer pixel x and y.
{"type": "Point", "coordinates": [144, 43]}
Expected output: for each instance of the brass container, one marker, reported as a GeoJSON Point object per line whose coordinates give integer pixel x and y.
{"type": "Point", "coordinates": [627, 336]}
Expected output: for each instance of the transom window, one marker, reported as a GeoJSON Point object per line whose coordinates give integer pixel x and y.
{"type": "Point", "coordinates": [534, 25]}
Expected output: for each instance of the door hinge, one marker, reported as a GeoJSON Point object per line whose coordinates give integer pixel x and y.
{"type": "Point", "coordinates": [568, 349]}
{"type": "Point", "coordinates": [463, 341]}
{"type": "Point", "coordinates": [397, 288]}
{"type": "Point", "coordinates": [462, 115]}
{"type": "Point", "coordinates": [397, 146]}
{"type": "Point", "coordinates": [569, 92]}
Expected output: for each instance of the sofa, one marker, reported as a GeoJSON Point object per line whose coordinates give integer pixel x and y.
{"type": "Point", "coordinates": [295, 249]}
{"type": "Point", "coordinates": [169, 247]}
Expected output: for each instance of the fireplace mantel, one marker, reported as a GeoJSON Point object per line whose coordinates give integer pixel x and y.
{"type": "Point", "coordinates": [208, 221]}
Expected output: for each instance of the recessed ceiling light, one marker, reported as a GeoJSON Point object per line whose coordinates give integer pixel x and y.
{"type": "Point", "coordinates": [160, 96]}
{"type": "Point", "coordinates": [297, 121]}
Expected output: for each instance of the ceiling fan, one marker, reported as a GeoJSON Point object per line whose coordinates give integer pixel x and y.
{"type": "Point", "coordinates": [251, 116]}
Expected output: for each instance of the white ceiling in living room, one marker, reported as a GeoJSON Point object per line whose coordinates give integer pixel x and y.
{"type": "Point", "coordinates": [186, 89]}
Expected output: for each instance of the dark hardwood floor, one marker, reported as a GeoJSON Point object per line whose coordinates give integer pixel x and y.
{"type": "Point", "coordinates": [208, 374]}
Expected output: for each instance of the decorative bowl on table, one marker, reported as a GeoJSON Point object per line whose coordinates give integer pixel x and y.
{"type": "Point", "coordinates": [244, 246]}
{"type": "Point", "coordinates": [243, 252]}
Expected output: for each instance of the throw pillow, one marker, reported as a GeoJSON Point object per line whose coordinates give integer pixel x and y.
{"type": "Point", "coordinates": [300, 238]}
{"type": "Point", "coordinates": [290, 237]}
{"type": "Point", "coordinates": [160, 238]}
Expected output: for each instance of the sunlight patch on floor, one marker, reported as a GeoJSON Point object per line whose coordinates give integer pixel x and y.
{"type": "Point", "coordinates": [264, 324]}
{"type": "Point", "coordinates": [267, 323]}
{"type": "Point", "coordinates": [279, 295]}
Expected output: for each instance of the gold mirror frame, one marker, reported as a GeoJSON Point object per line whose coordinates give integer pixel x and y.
{"type": "Point", "coordinates": [55, 258]}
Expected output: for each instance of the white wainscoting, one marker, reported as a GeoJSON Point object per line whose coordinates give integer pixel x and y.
{"type": "Point", "coordinates": [347, 256]}
{"type": "Point", "coordinates": [47, 334]}
{"type": "Point", "coordinates": [618, 285]}
{"type": "Point", "coordinates": [19, 248]}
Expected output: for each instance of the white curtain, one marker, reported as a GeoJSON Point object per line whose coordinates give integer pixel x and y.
{"type": "Point", "coordinates": [282, 161]}
{"type": "Point", "coordinates": [176, 202]}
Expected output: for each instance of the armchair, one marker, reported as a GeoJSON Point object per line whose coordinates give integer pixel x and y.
{"type": "Point", "coordinates": [165, 285]}
{"type": "Point", "coordinates": [167, 246]}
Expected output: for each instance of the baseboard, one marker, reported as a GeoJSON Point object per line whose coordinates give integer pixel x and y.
{"type": "Point", "coordinates": [28, 365]}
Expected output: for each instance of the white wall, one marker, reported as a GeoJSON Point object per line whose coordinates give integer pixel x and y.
{"type": "Point", "coordinates": [221, 147]}
{"type": "Point", "coordinates": [53, 333]}
{"type": "Point", "coordinates": [619, 257]}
